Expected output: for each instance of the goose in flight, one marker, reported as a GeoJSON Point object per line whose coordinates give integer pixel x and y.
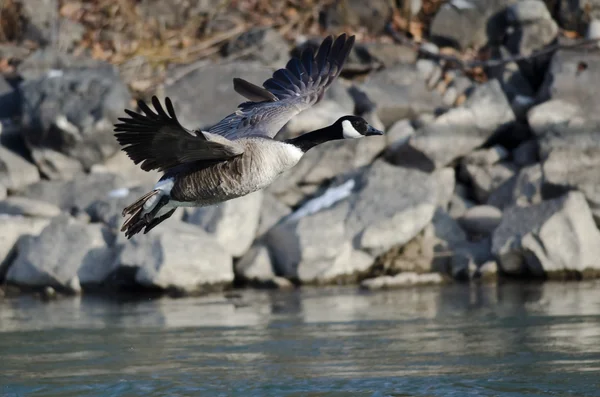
{"type": "Point", "coordinates": [238, 155]}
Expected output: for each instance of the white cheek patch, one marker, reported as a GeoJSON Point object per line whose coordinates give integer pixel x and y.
{"type": "Point", "coordinates": [349, 131]}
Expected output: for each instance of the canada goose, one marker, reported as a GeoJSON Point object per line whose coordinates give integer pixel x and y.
{"type": "Point", "coordinates": [238, 155]}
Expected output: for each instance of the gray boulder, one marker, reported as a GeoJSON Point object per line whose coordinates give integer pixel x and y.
{"type": "Point", "coordinates": [265, 45]}
{"type": "Point", "coordinates": [133, 175]}
{"type": "Point", "coordinates": [400, 92]}
{"type": "Point", "coordinates": [66, 255]}
{"type": "Point", "coordinates": [24, 206]}
{"type": "Point", "coordinates": [202, 111]}
{"type": "Point", "coordinates": [555, 236]}
{"type": "Point", "coordinates": [343, 238]}
{"type": "Point", "coordinates": [532, 27]}
{"type": "Point", "coordinates": [16, 172]}
{"type": "Point", "coordinates": [48, 60]}
{"type": "Point", "coordinates": [469, 23]}
{"type": "Point", "coordinates": [233, 223]}
{"type": "Point", "coordinates": [486, 179]}
{"type": "Point", "coordinates": [571, 77]}
{"type": "Point", "coordinates": [481, 220]}
{"type": "Point", "coordinates": [523, 189]}
{"type": "Point", "coordinates": [256, 265]}
{"type": "Point", "coordinates": [76, 194]}
{"type": "Point", "coordinates": [13, 228]}
{"type": "Point", "coordinates": [72, 111]}
{"type": "Point", "coordinates": [569, 146]}
{"type": "Point", "coordinates": [368, 14]}
{"type": "Point", "coordinates": [41, 17]}
{"type": "Point", "coordinates": [272, 211]}
{"type": "Point", "coordinates": [460, 130]}
{"type": "Point", "coordinates": [181, 257]}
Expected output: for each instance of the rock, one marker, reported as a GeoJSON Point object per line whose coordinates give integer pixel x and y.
{"type": "Point", "coordinates": [571, 78]}
{"type": "Point", "coordinates": [593, 30]}
{"type": "Point", "coordinates": [523, 189]}
{"type": "Point", "coordinates": [24, 206]}
{"type": "Point", "coordinates": [66, 255]}
{"type": "Point", "coordinates": [320, 115]}
{"type": "Point", "coordinates": [41, 17]}
{"type": "Point", "coordinates": [526, 154]}
{"type": "Point", "coordinates": [202, 111]}
{"type": "Point", "coordinates": [13, 228]}
{"type": "Point", "coordinates": [255, 266]}
{"type": "Point", "coordinates": [445, 235]}
{"type": "Point", "coordinates": [180, 258]}
{"type": "Point", "coordinates": [378, 222]}
{"type": "Point", "coordinates": [76, 194]}
{"type": "Point", "coordinates": [487, 156]}
{"type": "Point", "coordinates": [460, 130]}
{"type": "Point", "coordinates": [47, 61]}
{"type": "Point", "coordinates": [543, 117]}
{"type": "Point", "coordinates": [459, 205]}
{"type": "Point", "coordinates": [569, 146]}
{"type": "Point", "coordinates": [9, 100]}
{"type": "Point", "coordinates": [372, 15]}
{"type": "Point", "coordinates": [485, 180]}
{"type": "Point", "coordinates": [468, 257]}
{"type": "Point", "coordinates": [576, 14]}
{"type": "Point", "coordinates": [521, 104]}
{"type": "Point", "coordinates": [265, 45]}
{"type": "Point", "coordinates": [399, 92]}
{"type": "Point", "coordinates": [487, 271]}
{"type": "Point", "coordinates": [16, 172]}
{"type": "Point", "coordinates": [554, 236]}
{"type": "Point", "coordinates": [55, 165]}
{"type": "Point", "coordinates": [233, 223]}
{"type": "Point", "coordinates": [72, 111]}
{"type": "Point", "coordinates": [390, 55]}
{"type": "Point", "coordinates": [133, 175]}
{"type": "Point", "coordinates": [401, 280]}
{"type": "Point", "coordinates": [481, 219]}
{"type": "Point", "coordinates": [399, 134]}
{"type": "Point", "coordinates": [342, 239]}
{"type": "Point", "coordinates": [445, 182]}
{"type": "Point", "coordinates": [533, 27]}
{"type": "Point", "coordinates": [466, 23]}
{"type": "Point", "coordinates": [70, 33]}
{"type": "Point", "coordinates": [272, 211]}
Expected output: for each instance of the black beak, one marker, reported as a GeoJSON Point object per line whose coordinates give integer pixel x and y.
{"type": "Point", "coordinates": [373, 131]}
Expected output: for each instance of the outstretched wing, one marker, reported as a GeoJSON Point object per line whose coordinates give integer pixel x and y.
{"type": "Point", "coordinates": [159, 141]}
{"type": "Point", "coordinates": [291, 90]}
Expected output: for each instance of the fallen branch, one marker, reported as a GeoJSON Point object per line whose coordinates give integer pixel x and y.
{"type": "Point", "coordinates": [467, 65]}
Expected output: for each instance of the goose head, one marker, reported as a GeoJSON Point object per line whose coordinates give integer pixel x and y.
{"type": "Point", "coordinates": [347, 127]}
{"type": "Point", "coordinates": [353, 127]}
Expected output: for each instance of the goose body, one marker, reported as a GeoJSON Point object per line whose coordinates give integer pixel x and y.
{"type": "Point", "coordinates": [238, 155]}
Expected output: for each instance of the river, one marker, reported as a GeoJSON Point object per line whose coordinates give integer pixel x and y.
{"type": "Point", "coordinates": [457, 340]}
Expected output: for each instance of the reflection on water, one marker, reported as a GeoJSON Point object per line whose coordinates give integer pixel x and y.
{"type": "Point", "coordinates": [457, 340]}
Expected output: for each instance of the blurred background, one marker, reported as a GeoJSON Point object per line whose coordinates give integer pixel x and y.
{"type": "Point", "coordinates": [456, 254]}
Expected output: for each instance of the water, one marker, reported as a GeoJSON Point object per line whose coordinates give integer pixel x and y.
{"type": "Point", "coordinates": [510, 340]}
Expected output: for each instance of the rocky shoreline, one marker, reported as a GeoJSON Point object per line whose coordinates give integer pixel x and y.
{"type": "Point", "coordinates": [474, 180]}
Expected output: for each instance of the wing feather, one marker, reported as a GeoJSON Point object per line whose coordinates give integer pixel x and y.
{"type": "Point", "coordinates": [157, 140]}
{"type": "Point", "coordinates": [295, 88]}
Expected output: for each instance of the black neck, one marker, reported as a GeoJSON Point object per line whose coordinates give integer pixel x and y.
{"type": "Point", "coordinates": [307, 141]}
